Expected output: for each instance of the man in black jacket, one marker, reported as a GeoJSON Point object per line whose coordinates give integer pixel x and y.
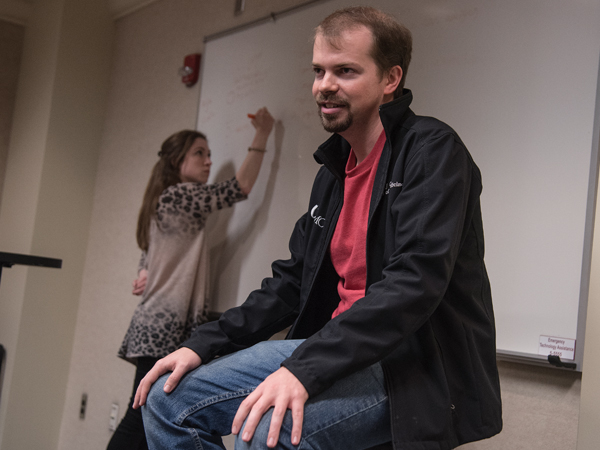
{"type": "Point", "coordinates": [393, 336]}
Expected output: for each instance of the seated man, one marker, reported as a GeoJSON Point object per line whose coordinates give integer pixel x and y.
{"type": "Point", "coordinates": [393, 336]}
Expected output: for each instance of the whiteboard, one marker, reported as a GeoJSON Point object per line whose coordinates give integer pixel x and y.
{"type": "Point", "coordinates": [517, 79]}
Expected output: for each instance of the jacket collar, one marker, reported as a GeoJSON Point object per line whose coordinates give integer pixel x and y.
{"type": "Point", "coordinates": [394, 113]}
{"type": "Point", "coordinates": [334, 152]}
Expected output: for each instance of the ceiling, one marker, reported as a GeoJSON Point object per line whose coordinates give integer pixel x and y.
{"type": "Point", "coordinates": [18, 11]}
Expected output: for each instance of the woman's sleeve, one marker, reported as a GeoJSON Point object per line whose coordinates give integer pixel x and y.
{"type": "Point", "coordinates": [189, 204]}
{"type": "Point", "coordinates": [143, 264]}
{"type": "Point", "coordinates": [225, 193]}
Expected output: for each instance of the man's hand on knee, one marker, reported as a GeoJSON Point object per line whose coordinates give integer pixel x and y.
{"type": "Point", "coordinates": [280, 390]}
{"type": "Point", "coordinates": [179, 363]}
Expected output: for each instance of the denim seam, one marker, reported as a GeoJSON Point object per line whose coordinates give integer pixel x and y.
{"type": "Point", "coordinates": [196, 439]}
{"type": "Point", "coordinates": [373, 405]}
{"type": "Point", "coordinates": [211, 401]}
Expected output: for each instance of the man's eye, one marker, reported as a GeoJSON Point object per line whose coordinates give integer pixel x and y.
{"type": "Point", "coordinates": [317, 71]}
{"type": "Point", "coordinates": [347, 70]}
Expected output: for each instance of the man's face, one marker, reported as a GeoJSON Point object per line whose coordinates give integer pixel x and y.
{"type": "Point", "coordinates": [348, 87]}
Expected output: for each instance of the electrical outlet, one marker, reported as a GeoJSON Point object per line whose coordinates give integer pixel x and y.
{"type": "Point", "coordinates": [114, 415]}
{"type": "Point", "coordinates": [83, 406]}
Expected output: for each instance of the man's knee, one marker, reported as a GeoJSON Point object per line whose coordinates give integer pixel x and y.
{"type": "Point", "coordinates": [261, 434]}
{"type": "Point", "coordinates": [156, 396]}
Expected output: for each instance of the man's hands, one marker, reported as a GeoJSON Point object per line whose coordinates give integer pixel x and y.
{"type": "Point", "coordinates": [280, 390]}
{"type": "Point", "coordinates": [179, 362]}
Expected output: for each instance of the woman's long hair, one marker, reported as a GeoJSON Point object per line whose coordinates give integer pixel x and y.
{"type": "Point", "coordinates": [166, 172]}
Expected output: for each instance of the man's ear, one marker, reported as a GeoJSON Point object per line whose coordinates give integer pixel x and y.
{"type": "Point", "coordinates": [394, 76]}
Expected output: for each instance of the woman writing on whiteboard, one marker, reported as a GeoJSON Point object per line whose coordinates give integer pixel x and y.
{"type": "Point", "coordinates": [173, 271]}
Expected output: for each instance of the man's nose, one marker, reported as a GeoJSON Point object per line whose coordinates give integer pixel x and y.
{"type": "Point", "coordinates": [328, 83]}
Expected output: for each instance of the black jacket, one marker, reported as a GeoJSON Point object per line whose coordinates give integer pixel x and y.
{"type": "Point", "coordinates": [427, 313]}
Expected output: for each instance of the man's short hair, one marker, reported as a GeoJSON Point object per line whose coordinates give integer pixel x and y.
{"type": "Point", "coordinates": [392, 42]}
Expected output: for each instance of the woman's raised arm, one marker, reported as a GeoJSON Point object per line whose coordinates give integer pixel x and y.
{"type": "Point", "coordinates": [248, 171]}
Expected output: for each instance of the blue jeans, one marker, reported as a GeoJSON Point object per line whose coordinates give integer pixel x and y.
{"type": "Point", "coordinates": [351, 414]}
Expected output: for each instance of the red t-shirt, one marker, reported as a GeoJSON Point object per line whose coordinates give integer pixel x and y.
{"type": "Point", "coordinates": [348, 246]}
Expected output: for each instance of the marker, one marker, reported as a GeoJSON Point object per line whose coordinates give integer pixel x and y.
{"type": "Point", "coordinates": [251, 116]}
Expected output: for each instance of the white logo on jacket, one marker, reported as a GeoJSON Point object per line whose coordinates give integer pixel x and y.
{"type": "Point", "coordinates": [317, 219]}
{"type": "Point", "coordinates": [392, 184]}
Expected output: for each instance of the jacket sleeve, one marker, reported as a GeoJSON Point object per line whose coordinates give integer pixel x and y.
{"type": "Point", "coordinates": [429, 218]}
{"type": "Point", "coordinates": [266, 311]}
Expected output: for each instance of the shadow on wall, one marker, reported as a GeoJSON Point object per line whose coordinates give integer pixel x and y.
{"type": "Point", "coordinates": [231, 246]}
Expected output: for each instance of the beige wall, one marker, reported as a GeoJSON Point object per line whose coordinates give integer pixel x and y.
{"type": "Point", "coordinates": [589, 422]}
{"type": "Point", "coordinates": [50, 173]}
{"type": "Point", "coordinates": [11, 47]}
{"type": "Point", "coordinates": [146, 102]}
{"type": "Point", "coordinates": [540, 409]}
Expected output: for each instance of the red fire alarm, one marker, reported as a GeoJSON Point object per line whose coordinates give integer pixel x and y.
{"type": "Point", "coordinates": [190, 70]}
